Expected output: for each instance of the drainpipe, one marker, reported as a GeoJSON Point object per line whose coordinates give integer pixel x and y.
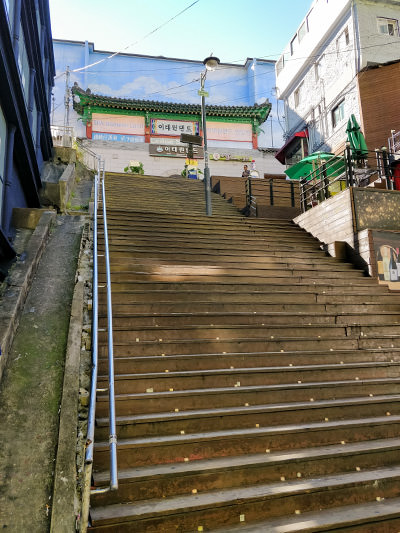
{"type": "Point", "coordinates": [8, 170]}
{"type": "Point", "coordinates": [356, 37]}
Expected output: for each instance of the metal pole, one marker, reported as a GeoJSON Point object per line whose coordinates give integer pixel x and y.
{"type": "Point", "coordinates": [349, 166]}
{"type": "Point", "coordinates": [207, 181]}
{"type": "Point", "coordinates": [386, 168]}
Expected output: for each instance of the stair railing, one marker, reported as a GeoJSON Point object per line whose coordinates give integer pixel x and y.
{"type": "Point", "coordinates": [344, 171]}
{"type": "Point", "coordinates": [99, 190]}
{"type": "Point", "coordinates": [86, 156]}
{"type": "Point", "coordinates": [251, 201]}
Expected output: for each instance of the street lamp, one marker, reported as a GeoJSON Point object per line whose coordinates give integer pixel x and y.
{"type": "Point", "coordinates": [211, 63]}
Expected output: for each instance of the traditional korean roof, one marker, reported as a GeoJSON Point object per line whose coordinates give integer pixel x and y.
{"type": "Point", "coordinates": [257, 113]}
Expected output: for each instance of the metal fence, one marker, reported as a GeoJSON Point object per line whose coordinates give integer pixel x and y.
{"type": "Point", "coordinates": [337, 174]}
{"type": "Point", "coordinates": [62, 135]}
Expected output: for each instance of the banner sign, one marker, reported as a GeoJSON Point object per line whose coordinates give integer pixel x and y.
{"type": "Point", "coordinates": [118, 124]}
{"type": "Point", "coordinates": [230, 157]}
{"type": "Point", "coordinates": [175, 151]}
{"type": "Point", "coordinates": [98, 136]}
{"type": "Point", "coordinates": [229, 131]}
{"type": "Point", "coordinates": [173, 127]}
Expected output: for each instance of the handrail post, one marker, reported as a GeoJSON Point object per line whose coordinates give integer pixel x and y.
{"type": "Point", "coordinates": [248, 192]}
{"type": "Point", "coordinates": [303, 199]}
{"type": "Point", "coordinates": [325, 181]}
{"type": "Point", "coordinates": [386, 168]}
{"type": "Point", "coordinates": [271, 192]}
{"type": "Point", "coordinates": [292, 193]}
{"type": "Point", "coordinates": [349, 166]}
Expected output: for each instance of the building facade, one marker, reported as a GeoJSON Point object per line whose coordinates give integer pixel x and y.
{"type": "Point", "coordinates": [325, 74]}
{"type": "Point", "coordinates": [26, 80]}
{"type": "Point", "coordinates": [171, 86]}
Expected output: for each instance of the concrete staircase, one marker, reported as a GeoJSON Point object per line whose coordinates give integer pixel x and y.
{"type": "Point", "coordinates": [257, 379]}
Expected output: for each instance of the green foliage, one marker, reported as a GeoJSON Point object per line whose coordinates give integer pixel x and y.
{"type": "Point", "coordinates": [134, 169]}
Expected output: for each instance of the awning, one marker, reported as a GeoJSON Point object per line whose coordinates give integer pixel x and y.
{"type": "Point", "coordinates": [280, 155]}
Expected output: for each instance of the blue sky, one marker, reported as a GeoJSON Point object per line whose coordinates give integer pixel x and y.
{"type": "Point", "coordinates": [230, 29]}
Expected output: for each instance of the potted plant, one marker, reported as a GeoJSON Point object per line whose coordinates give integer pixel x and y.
{"type": "Point", "coordinates": [134, 167]}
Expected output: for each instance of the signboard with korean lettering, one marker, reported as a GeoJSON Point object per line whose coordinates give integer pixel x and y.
{"type": "Point", "coordinates": [117, 124]}
{"type": "Point", "coordinates": [173, 127]}
{"type": "Point", "coordinates": [168, 150]}
{"type": "Point", "coordinates": [229, 131]}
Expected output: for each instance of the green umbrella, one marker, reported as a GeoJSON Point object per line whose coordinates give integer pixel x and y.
{"type": "Point", "coordinates": [356, 139]}
{"type": "Point", "coordinates": [334, 166]}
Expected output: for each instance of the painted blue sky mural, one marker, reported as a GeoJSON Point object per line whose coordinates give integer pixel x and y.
{"type": "Point", "coordinates": [166, 79]}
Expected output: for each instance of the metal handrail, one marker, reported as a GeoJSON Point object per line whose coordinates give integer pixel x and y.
{"type": "Point", "coordinates": [89, 158]}
{"type": "Point", "coordinates": [113, 485]}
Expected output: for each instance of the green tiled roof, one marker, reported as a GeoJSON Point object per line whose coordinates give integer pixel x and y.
{"type": "Point", "coordinates": [257, 113]}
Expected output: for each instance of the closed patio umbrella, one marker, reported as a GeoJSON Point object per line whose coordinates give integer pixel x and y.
{"type": "Point", "coordinates": [356, 139]}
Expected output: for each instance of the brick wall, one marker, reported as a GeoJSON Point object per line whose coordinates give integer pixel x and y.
{"type": "Point", "coordinates": [380, 99]}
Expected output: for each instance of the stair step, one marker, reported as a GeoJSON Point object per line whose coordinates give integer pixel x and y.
{"type": "Point", "coordinates": [238, 331]}
{"type": "Point", "coordinates": [163, 481]}
{"type": "Point", "coordinates": [157, 401]}
{"type": "Point", "coordinates": [191, 421]}
{"type": "Point", "coordinates": [135, 320]}
{"type": "Point", "coordinates": [215, 509]}
{"type": "Point", "coordinates": [198, 362]}
{"type": "Point", "coordinates": [232, 442]}
{"type": "Point", "coordinates": [230, 332]}
{"type": "Point", "coordinates": [238, 377]}
{"type": "Point", "coordinates": [244, 344]}
{"type": "Point", "coordinates": [381, 515]}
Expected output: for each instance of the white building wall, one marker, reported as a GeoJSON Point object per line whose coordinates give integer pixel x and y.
{"type": "Point", "coordinates": [118, 155]}
{"type": "Point", "coordinates": [339, 38]}
{"type": "Point", "coordinates": [377, 47]}
{"type": "Point", "coordinates": [320, 22]}
{"type": "Point", "coordinates": [328, 80]}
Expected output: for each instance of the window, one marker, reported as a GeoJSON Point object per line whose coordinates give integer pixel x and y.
{"type": "Point", "coordinates": [293, 45]}
{"type": "Point", "coordinates": [343, 40]}
{"type": "Point", "coordinates": [317, 70]}
{"type": "Point", "coordinates": [298, 94]}
{"type": "Point", "coordinates": [280, 64]}
{"type": "Point", "coordinates": [10, 11]}
{"type": "Point", "coordinates": [338, 114]}
{"type": "Point", "coordinates": [3, 137]}
{"type": "Point", "coordinates": [388, 26]}
{"type": "Point", "coordinates": [309, 18]}
{"type": "Point", "coordinates": [302, 31]}
{"type": "Point", "coordinates": [346, 36]}
{"type": "Point", "coordinates": [23, 65]}
{"type": "Point", "coordinates": [38, 23]}
{"type": "Point", "coordinates": [34, 122]}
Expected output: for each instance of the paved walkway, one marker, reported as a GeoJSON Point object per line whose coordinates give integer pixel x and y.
{"type": "Point", "coordinates": [30, 391]}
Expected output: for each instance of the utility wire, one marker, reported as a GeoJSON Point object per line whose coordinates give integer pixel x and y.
{"type": "Point", "coordinates": [139, 41]}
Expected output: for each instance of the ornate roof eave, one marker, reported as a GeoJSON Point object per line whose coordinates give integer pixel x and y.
{"type": "Point", "coordinates": [258, 112]}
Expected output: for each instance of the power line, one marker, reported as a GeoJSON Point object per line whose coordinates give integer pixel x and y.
{"type": "Point", "coordinates": [139, 41]}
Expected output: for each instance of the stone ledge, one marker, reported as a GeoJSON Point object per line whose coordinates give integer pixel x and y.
{"type": "Point", "coordinates": [65, 502]}
{"type": "Point", "coordinates": [19, 282]}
